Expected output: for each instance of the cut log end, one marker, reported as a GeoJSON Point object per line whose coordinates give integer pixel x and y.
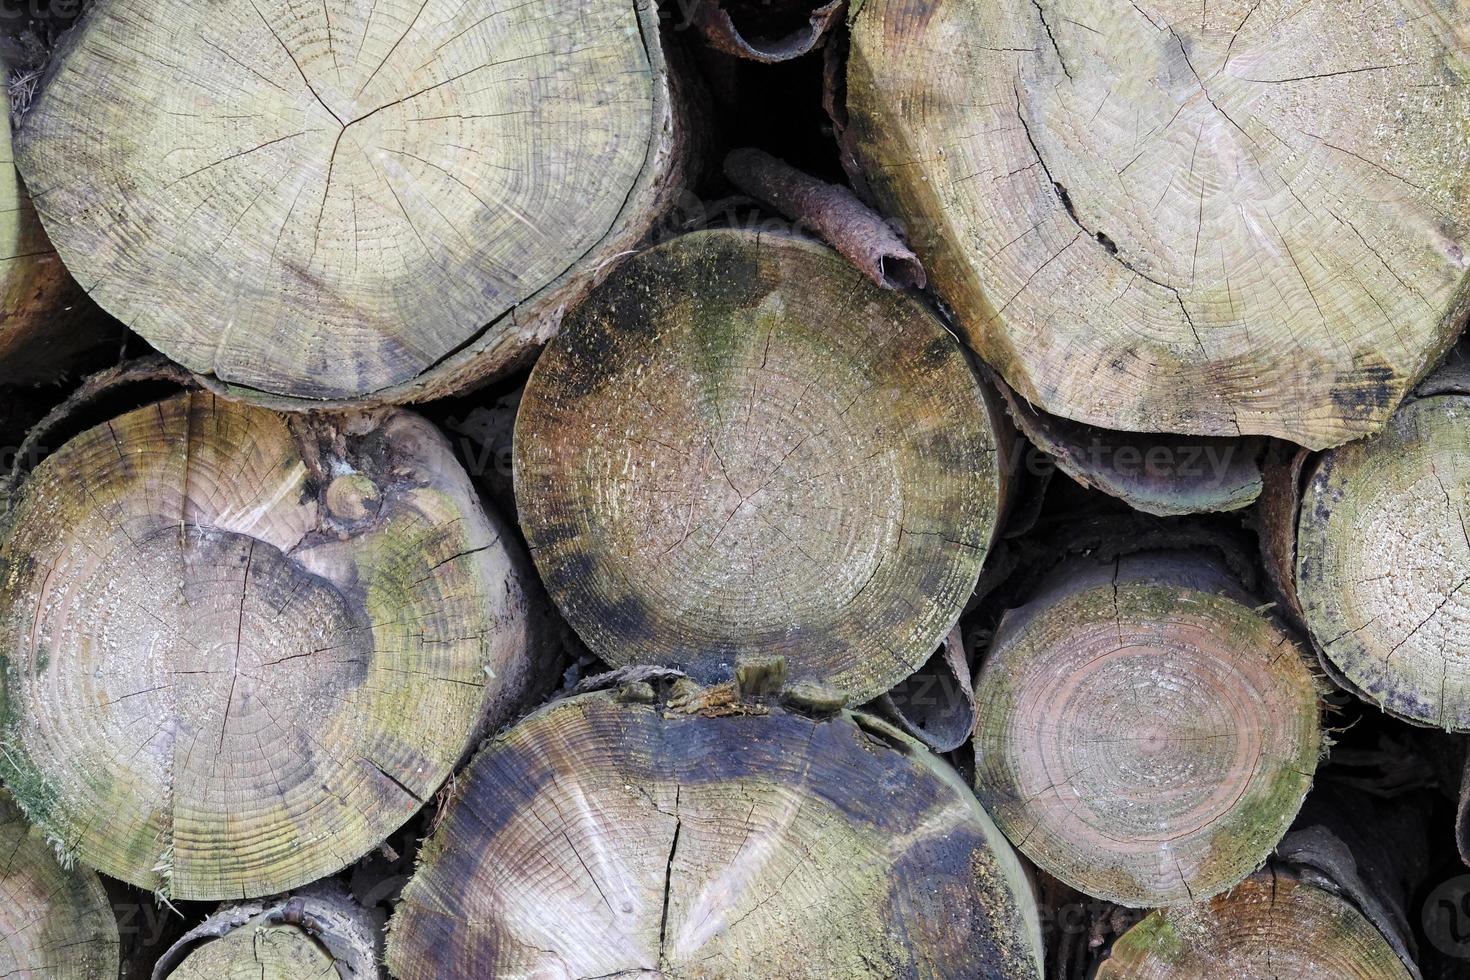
{"type": "Point", "coordinates": [1270, 926]}
{"type": "Point", "coordinates": [1383, 563]}
{"type": "Point", "coordinates": [322, 201]}
{"type": "Point", "coordinates": [54, 922]}
{"type": "Point", "coordinates": [1144, 736]}
{"type": "Point", "coordinates": [603, 838]}
{"type": "Point", "coordinates": [1153, 218]}
{"type": "Point", "coordinates": [219, 683]}
{"type": "Point", "coordinates": [741, 446]}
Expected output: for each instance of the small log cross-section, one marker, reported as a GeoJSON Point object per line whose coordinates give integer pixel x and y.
{"type": "Point", "coordinates": [54, 923]}
{"type": "Point", "coordinates": [1144, 735]}
{"type": "Point", "coordinates": [603, 837]}
{"type": "Point", "coordinates": [1214, 219]}
{"type": "Point", "coordinates": [238, 656]}
{"type": "Point", "coordinates": [1383, 563]}
{"type": "Point", "coordinates": [334, 199]}
{"type": "Point", "coordinates": [1272, 926]}
{"type": "Point", "coordinates": [741, 446]}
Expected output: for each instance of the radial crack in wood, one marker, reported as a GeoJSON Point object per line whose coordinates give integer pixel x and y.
{"type": "Point", "coordinates": [740, 446]}
{"type": "Point", "coordinates": [1144, 735]}
{"type": "Point", "coordinates": [219, 681]}
{"type": "Point", "coordinates": [603, 838]}
{"type": "Point", "coordinates": [1383, 563]}
{"type": "Point", "coordinates": [1242, 219]}
{"type": "Point", "coordinates": [336, 200]}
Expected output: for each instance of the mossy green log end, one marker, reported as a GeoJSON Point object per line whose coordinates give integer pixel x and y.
{"type": "Point", "coordinates": [239, 652]}
{"type": "Point", "coordinates": [1144, 735]}
{"type": "Point", "coordinates": [607, 837]}
{"type": "Point", "coordinates": [742, 447]}
{"type": "Point", "coordinates": [1383, 563]}
{"type": "Point", "coordinates": [1270, 927]}
{"type": "Point", "coordinates": [55, 922]}
{"type": "Point", "coordinates": [331, 201]}
{"type": "Point", "coordinates": [1224, 219]}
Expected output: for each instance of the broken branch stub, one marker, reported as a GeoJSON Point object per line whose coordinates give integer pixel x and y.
{"type": "Point", "coordinates": [722, 33]}
{"type": "Point", "coordinates": [833, 212]}
{"type": "Point", "coordinates": [1144, 735]}
{"type": "Point", "coordinates": [740, 447]}
{"type": "Point", "coordinates": [1154, 218]}
{"type": "Point", "coordinates": [333, 202]}
{"type": "Point", "coordinates": [602, 837]}
{"type": "Point", "coordinates": [242, 648]}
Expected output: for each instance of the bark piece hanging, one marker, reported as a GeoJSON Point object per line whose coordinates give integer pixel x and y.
{"type": "Point", "coordinates": [740, 446]}
{"type": "Point", "coordinates": [54, 922]}
{"type": "Point", "coordinates": [320, 932]}
{"type": "Point", "coordinates": [603, 837]}
{"type": "Point", "coordinates": [1144, 735]}
{"type": "Point", "coordinates": [46, 321]}
{"type": "Point", "coordinates": [1383, 563]}
{"type": "Point", "coordinates": [1272, 926]}
{"type": "Point", "coordinates": [358, 199]}
{"type": "Point", "coordinates": [720, 31]}
{"type": "Point", "coordinates": [1157, 474]}
{"type": "Point", "coordinates": [1161, 219]}
{"type": "Point", "coordinates": [242, 651]}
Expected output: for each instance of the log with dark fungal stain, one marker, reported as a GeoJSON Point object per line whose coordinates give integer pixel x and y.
{"type": "Point", "coordinates": [1145, 734]}
{"type": "Point", "coordinates": [243, 649]}
{"type": "Point", "coordinates": [740, 447]}
{"type": "Point", "coordinates": [608, 836]}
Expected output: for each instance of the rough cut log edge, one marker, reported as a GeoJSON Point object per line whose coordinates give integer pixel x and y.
{"type": "Point", "coordinates": [512, 340]}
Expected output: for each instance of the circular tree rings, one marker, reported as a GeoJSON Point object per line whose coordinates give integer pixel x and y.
{"type": "Point", "coordinates": [1144, 735]}
{"type": "Point", "coordinates": [738, 446]}
{"type": "Point", "coordinates": [343, 199]}
{"type": "Point", "coordinates": [239, 654]}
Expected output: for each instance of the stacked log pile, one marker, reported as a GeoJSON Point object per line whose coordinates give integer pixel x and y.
{"type": "Point", "coordinates": [880, 489]}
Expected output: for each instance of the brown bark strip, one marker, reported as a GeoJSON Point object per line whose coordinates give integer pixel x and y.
{"type": "Point", "coordinates": [833, 212]}
{"type": "Point", "coordinates": [1160, 474]}
{"type": "Point", "coordinates": [715, 23]}
{"type": "Point", "coordinates": [142, 370]}
{"type": "Point", "coordinates": [937, 704]}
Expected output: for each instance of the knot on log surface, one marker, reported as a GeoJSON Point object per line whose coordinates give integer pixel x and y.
{"type": "Point", "coordinates": [740, 446]}
{"type": "Point", "coordinates": [216, 688]}
{"type": "Point", "coordinates": [1143, 734]}
{"type": "Point", "coordinates": [601, 838]}
{"type": "Point", "coordinates": [1246, 219]}
{"type": "Point", "coordinates": [54, 922]}
{"type": "Point", "coordinates": [1383, 563]}
{"type": "Point", "coordinates": [334, 200]}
